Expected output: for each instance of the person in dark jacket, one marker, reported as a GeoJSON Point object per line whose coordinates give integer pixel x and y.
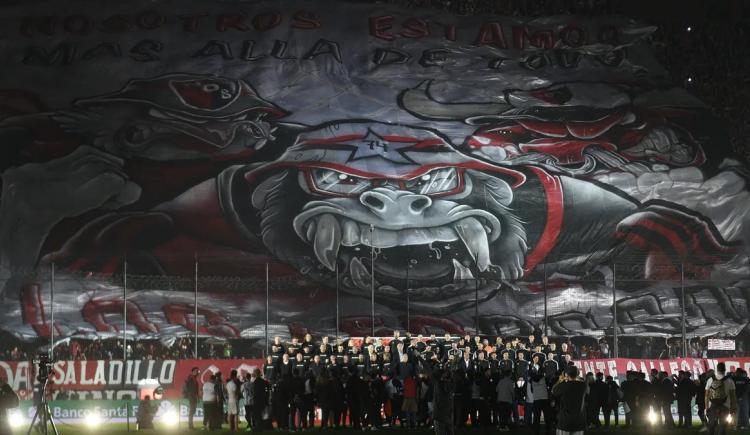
{"type": "Point", "coordinates": [377, 397]}
{"type": "Point", "coordinates": [444, 388]}
{"type": "Point", "coordinates": [269, 369]}
{"type": "Point", "coordinates": [8, 400]}
{"type": "Point", "coordinates": [665, 397]}
{"type": "Point", "coordinates": [191, 392]}
{"type": "Point", "coordinates": [597, 399]}
{"type": "Point", "coordinates": [685, 392]}
{"type": "Point", "coordinates": [613, 395]}
{"type": "Point", "coordinates": [487, 393]}
{"type": "Point", "coordinates": [628, 389]}
{"type": "Point", "coordinates": [353, 387]}
{"type": "Point", "coordinates": [570, 395]}
{"type": "Point", "coordinates": [281, 397]}
{"type": "Point", "coordinates": [260, 400]}
{"type": "Point", "coordinates": [297, 408]}
{"type": "Point", "coordinates": [644, 398]}
{"type": "Point", "coordinates": [221, 396]}
{"type": "Point", "coordinates": [146, 413]}
{"type": "Point", "coordinates": [324, 390]}
{"type": "Point", "coordinates": [742, 388]}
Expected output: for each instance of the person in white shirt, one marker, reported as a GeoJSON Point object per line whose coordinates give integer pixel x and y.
{"type": "Point", "coordinates": [209, 404]}
{"type": "Point", "coordinates": [233, 402]}
{"type": "Point", "coordinates": [721, 401]}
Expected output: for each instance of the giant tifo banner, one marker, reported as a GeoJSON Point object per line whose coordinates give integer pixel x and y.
{"type": "Point", "coordinates": [461, 171]}
{"type": "Point", "coordinates": [115, 380]}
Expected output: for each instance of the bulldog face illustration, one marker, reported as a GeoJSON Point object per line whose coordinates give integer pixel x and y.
{"type": "Point", "coordinates": [395, 208]}
{"type": "Point", "coordinates": [390, 206]}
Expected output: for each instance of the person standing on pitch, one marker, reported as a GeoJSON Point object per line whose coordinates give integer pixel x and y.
{"type": "Point", "coordinates": [721, 401]}
{"type": "Point", "coordinates": [260, 399]}
{"type": "Point", "coordinates": [741, 384]}
{"type": "Point", "coordinates": [8, 400]}
{"type": "Point", "coordinates": [233, 402]}
{"type": "Point", "coordinates": [570, 394]}
{"type": "Point", "coordinates": [209, 403]}
{"type": "Point", "coordinates": [191, 392]}
{"type": "Point", "coordinates": [444, 387]}
{"type": "Point", "coordinates": [685, 392]}
{"type": "Point", "coordinates": [247, 394]}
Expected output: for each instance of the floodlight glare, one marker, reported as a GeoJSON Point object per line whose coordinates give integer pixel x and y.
{"type": "Point", "coordinates": [15, 419]}
{"type": "Point", "coordinates": [93, 420]}
{"type": "Point", "coordinates": [171, 418]}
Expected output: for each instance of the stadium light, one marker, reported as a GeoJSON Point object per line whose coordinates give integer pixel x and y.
{"type": "Point", "coordinates": [689, 29]}
{"type": "Point", "coordinates": [93, 420]}
{"type": "Point", "coordinates": [652, 417]}
{"type": "Point", "coordinates": [171, 418]}
{"type": "Point", "coordinates": [15, 419]}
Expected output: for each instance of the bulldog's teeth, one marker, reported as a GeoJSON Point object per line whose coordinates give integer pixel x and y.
{"type": "Point", "coordinates": [311, 226]}
{"type": "Point", "coordinates": [378, 237]}
{"type": "Point", "coordinates": [461, 272]}
{"type": "Point", "coordinates": [388, 290]}
{"type": "Point", "coordinates": [327, 240]}
{"type": "Point", "coordinates": [472, 233]}
{"type": "Point", "coordinates": [360, 276]}
{"type": "Point", "coordinates": [350, 235]}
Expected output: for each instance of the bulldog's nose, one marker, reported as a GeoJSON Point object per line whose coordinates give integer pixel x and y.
{"type": "Point", "coordinates": [393, 203]}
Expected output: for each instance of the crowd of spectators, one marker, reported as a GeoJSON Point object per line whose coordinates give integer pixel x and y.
{"type": "Point", "coordinates": [579, 347]}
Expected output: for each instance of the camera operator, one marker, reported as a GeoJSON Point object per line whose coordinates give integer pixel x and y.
{"type": "Point", "coordinates": [8, 400]}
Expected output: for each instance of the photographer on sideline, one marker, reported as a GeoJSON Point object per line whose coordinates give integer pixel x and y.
{"type": "Point", "coordinates": [146, 413]}
{"type": "Point", "coordinates": [8, 400]}
{"type": "Point", "coordinates": [570, 394]}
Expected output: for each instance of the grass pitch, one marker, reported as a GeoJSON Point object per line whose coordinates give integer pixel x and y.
{"type": "Point", "coordinates": [121, 428]}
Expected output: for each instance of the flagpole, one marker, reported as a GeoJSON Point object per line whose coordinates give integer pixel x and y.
{"type": "Point", "coordinates": [337, 301]}
{"type": "Point", "coordinates": [195, 308]}
{"type": "Point", "coordinates": [372, 279]}
{"type": "Point", "coordinates": [124, 309]}
{"type": "Point", "coordinates": [52, 314]}
{"type": "Point", "coordinates": [267, 307]}
{"type": "Point", "coordinates": [408, 308]}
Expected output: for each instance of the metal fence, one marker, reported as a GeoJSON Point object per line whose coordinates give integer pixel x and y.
{"type": "Point", "coordinates": [265, 299]}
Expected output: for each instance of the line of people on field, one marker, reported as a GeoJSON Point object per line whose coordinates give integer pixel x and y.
{"type": "Point", "coordinates": [378, 385]}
